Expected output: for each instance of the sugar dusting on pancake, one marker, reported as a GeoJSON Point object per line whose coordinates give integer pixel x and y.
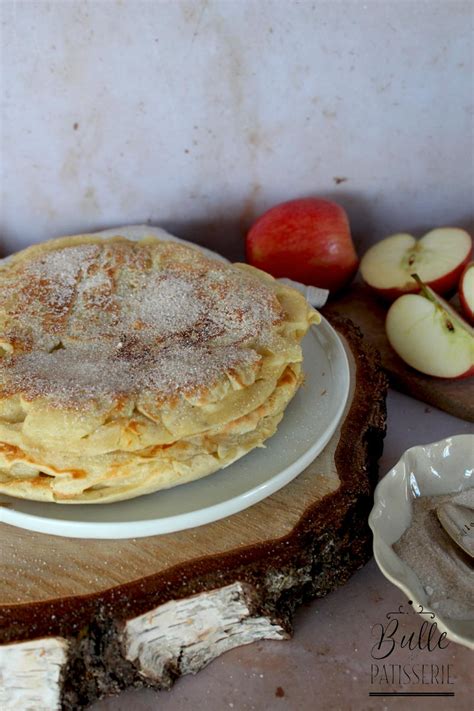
{"type": "Point", "coordinates": [94, 320]}
{"type": "Point", "coordinates": [73, 376]}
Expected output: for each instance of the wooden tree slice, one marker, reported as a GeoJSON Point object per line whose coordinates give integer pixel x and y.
{"type": "Point", "coordinates": [83, 618]}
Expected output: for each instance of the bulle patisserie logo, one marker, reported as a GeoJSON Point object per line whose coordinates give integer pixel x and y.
{"type": "Point", "coordinates": [401, 659]}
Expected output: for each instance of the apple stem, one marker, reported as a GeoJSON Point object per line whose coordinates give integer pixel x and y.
{"type": "Point", "coordinates": [423, 288]}
{"type": "Point", "coordinates": [427, 293]}
{"type": "Point", "coordinates": [450, 322]}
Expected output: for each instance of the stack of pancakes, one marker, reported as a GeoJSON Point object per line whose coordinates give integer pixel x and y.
{"type": "Point", "coordinates": [128, 367]}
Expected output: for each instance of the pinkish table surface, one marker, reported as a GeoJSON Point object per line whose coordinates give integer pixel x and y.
{"type": "Point", "coordinates": [328, 663]}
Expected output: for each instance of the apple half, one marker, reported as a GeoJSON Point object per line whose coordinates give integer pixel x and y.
{"type": "Point", "coordinates": [438, 258]}
{"type": "Point", "coordinates": [466, 291]}
{"type": "Point", "coordinates": [429, 335]}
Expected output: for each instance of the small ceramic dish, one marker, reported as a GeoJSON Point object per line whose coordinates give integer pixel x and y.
{"type": "Point", "coordinates": [440, 468]}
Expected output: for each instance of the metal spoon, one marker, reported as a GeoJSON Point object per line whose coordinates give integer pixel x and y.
{"type": "Point", "coordinates": [458, 522]}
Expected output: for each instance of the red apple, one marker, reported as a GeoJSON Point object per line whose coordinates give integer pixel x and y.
{"type": "Point", "coordinates": [430, 336]}
{"type": "Point", "coordinates": [438, 258]}
{"type": "Point", "coordinates": [307, 240]}
{"type": "Point", "coordinates": [466, 291]}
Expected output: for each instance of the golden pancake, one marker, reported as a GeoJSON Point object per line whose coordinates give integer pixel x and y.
{"type": "Point", "coordinates": [112, 348]}
{"type": "Point", "coordinates": [66, 478]}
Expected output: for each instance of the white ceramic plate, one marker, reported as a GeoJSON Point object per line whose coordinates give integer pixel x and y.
{"type": "Point", "coordinates": [429, 470]}
{"type": "Point", "coordinates": [307, 426]}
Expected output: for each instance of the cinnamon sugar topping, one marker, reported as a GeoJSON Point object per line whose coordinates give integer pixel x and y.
{"type": "Point", "coordinates": [113, 318]}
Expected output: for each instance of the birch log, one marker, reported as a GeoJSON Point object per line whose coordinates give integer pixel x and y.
{"type": "Point", "coordinates": [30, 674]}
{"type": "Point", "coordinates": [188, 634]}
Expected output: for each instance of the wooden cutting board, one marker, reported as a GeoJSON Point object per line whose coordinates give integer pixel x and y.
{"type": "Point", "coordinates": [83, 618]}
{"type": "Point", "coordinates": [453, 396]}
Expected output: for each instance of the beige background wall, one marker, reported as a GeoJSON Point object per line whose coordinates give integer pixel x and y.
{"type": "Point", "coordinates": [199, 115]}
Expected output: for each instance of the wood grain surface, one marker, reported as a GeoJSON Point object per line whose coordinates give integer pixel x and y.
{"type": "Point", "coordinates": [368, 313]}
